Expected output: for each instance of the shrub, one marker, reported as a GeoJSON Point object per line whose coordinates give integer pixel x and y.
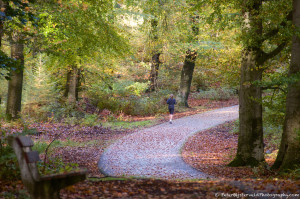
{"type": "Point", "coordinates": [235, 129]}
{"type": "Point", "coordinates": [216, 94]}
{"type": "Point", "coordinates": [89, 120]}
{"type": "Point", "coordinates": [273, 116]}
{"type": "Point", "coordinates": [2, 112]}
{"type": "Point", "coordinates": [274, 107]}
{"type": "Point", "coordinates": [60, 110]}
{"type": "Point", "coordinates": [8, 159]}
{"type": "Point", "coordinates": [8, 163]}
{"type": "Point", "coordinates": [127, 97]}
{"type": "Point", "coordinates": [36, 111]}
{"type": "Point", "coordinates": [150, 104]}
{"type": "Point", "coordinates": [56, 165]}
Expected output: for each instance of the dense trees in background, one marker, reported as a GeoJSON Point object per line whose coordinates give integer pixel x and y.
{"type": "Point", "coordinates": [127, 56]}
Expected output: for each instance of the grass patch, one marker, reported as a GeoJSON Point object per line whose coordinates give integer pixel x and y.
{"type": "Point", "coordinates": [107, 179]}
{"type": "Point", "coordinates": [217, 94]}
{"type": "Point", "coordinates": [21, 194]}
{"type": "Point", "coordinates": [235, 127]}
{"type": "Point", "coordinates": [181, 109]}
{"type": "Point", "coordinates": [115, 125]}
{"type": "Point", "coordinates": [41, 146]}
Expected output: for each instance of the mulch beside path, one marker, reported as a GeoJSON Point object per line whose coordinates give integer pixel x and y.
{"type": "Point", "coordinates": [151, 188]}
{"type": "Point", "coordinates": [87, 155]}
{"type": "Point", "coordinates": [148, 188]}
{"type": "Point", "coordinates": [211, 150]}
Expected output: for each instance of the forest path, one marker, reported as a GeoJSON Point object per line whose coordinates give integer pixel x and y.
{"type": "Point", "coordinates": [155, 152]}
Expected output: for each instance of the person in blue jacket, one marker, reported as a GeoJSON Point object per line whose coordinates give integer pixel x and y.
{"type": "Point", "coordinates": [171, 102]}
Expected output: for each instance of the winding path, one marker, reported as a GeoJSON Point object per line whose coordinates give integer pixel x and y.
{"type": "Point", "coordinates": [155, 152]}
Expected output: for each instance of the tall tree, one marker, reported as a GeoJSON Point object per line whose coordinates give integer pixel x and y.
{"type": "Point", "coordinates": [13, 12]}
{"type": "Point", "coordinates": [289, 152]}
{"type": "Point", "coordinates": [186, 77]}
{"type": "Point", "coordinates": [250, 144]}
{"type": "Point", "coordinates": [156, 8]}
{"type": "Point", "coordinates": [188, 66]}
{"type": "Point", "coordinates": [154, 71]}
{"type": "Point", "coordinates": [78, 34]}
{"type": "Point", "coordinates": [155, 57]}
{"type": "Point", "coordinates": [16, 14]}
{"type": "Point", "coordinates": [2, 7]}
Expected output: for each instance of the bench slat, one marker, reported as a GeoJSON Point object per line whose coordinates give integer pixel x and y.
{"type": "Point", "coordinates": [25, 141]}
{"type": "Point", "coordinates": [32, 156]}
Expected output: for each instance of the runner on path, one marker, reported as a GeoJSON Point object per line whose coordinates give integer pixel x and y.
{"type": "Point", "coordinates": [171, 101]}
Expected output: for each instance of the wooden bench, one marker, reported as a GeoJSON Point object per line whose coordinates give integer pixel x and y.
{"type": "Point", "coordinates": [40, 187]}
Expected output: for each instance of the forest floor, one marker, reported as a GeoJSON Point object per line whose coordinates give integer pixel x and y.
{"type": "Point", "coordinates": [208, 151]}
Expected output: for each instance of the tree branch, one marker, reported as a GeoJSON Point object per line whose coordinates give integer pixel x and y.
{"type": "Point", "coordinates": [273, 32]}
{"type": "Point", "coordinates": [265, 56]}
{"type": "Point", "coordinates": [276, 51]}
{"type": "Point", "coordinates": [274, 88]}
{"type": "Point", "coordinates": [267, 0]}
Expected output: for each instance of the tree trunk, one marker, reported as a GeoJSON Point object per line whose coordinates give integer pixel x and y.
{"type": "Point", "coordinates": [15, 83]}
{"type": "Point", "coordinates": [79, 80]}
{"type": "Point", "coordinates": [3, 5]}
{"type": "Point", "coordinates": [72, 85]}
{"type": "Point", "coordinates": [188, 66]}
{"type": "Point", "coordinates": [154, 72]}
{"type": "Point", "coordinates": [1, 31]}
{"type": "Point", "coordinates": [186, 77]}
{"type": "Point", "coordinates": [250, 143]}
{"type": "Point", "coordinates": [1, 24]}
{"type": "Point", "coordinates": [289, 152]}
{"type": "Point", "coordinates": [155, 58]}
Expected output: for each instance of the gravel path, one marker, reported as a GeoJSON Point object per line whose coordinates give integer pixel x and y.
{"type": "Point", "coordinates": [155, 152]}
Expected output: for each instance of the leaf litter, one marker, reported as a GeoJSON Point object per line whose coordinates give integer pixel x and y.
{"type": "Point", "coordinates": [209, 151]}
